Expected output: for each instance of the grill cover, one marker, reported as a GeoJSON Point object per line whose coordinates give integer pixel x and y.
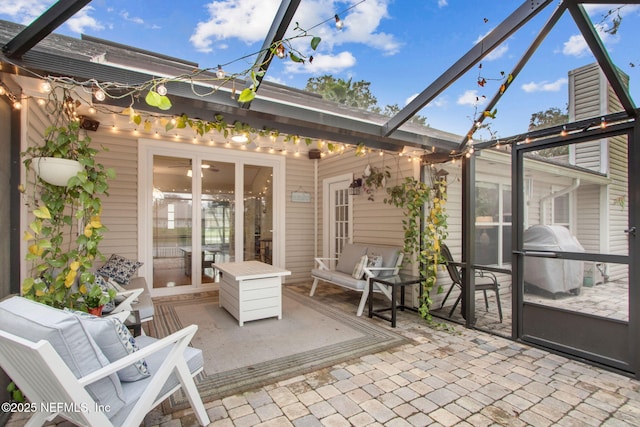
{"type": "Point", "coordinates": [550, 274]}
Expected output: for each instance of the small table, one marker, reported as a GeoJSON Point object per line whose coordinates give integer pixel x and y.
{"type": "Point", "coordinates": [398, 281]}
{"type": "Point", "coordinates": [251, 290]}
{"type": "Point", "coordinates": [133, 323]}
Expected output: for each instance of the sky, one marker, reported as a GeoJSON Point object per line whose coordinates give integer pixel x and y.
{"type": "Point", "coordinates": [399, 46]}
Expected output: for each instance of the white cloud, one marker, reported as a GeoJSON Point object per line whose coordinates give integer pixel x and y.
{"type": "Point", "coordinates": [443, 3]}
{"type": "Point", "coordinates": [323, 64]}
{"type": "Point", "coordinates": [577, 46]}
{"type": "Point", "coordinates": [544, 86]}
{"type": "Point", "coordinates": [24, 11]}
{"type": "Point", "coordinates": [136, 20]}
{"type": "Point", "coordinates": [471, 97]}
{"type": "Point", "coordinates": [249, 21]}
{"type": "Point", "coordinates": [81, 21]}
{"type": "Point", "coordinates": [438, 102]}
{"type": "Point", "coordinates": [496, 53]}
{"type": "Point", "coordinates": [246, 20]}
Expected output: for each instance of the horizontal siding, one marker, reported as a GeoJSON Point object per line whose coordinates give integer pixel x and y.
{"type": "Point", "coordinates": [299, 220]}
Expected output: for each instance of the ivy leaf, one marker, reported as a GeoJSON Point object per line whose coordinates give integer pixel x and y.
{"type": "Point", "coordinates": [147, 126]}
{"type": "Point", "coordinates": [315, 42]}
{"type": "Point", "coordinates": [295, 58]}
{"type": "Point", "coordinates": [42, 212]}
{"type": "Point", "coordinates": [165, 103]}
{"type": "Point", "coordinates": [168, 126]}
{"type": "Point", "coordinates": [247, 95]}
{"type": "Point", "coordinates": [153, 98]}
{"type": "Point", "coordinates": [137, 119]}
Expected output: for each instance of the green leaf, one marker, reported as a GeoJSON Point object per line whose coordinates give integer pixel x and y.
{"type": "Point", "coordinates": [42, 212]}
{"type": "Point", "coordinates": [153, 98]}
{"type": "Point", "coordinates": [294, 57]}
{"type": "Point", "coordinates": [247, 95]}
{"type": "Point", "coordinates": [165, 103]}
{"type": "Point", "coordinates": [315, 42]}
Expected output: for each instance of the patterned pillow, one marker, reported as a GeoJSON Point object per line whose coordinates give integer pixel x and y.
{"type": "Point", "coordinates": [375, 261]}
{"type": "Point", "coordinates": [111, 305]}
{"type": "Point", "coordinates": [358, 270]}
{"type": "Point", "coordinates": [120, 268]}
{"type": "Point", "coordinates": [115, 341]}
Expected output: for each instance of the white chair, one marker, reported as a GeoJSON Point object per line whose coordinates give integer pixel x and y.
{"type": "Point", "coordinates": [58, 373]}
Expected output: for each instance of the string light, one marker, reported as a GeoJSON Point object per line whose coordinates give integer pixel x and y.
{"type": "Point", "coordinates": [99, 95]}
{"type": "Point", "coordinates": [563, 132]}
{"type": "Point", "coordinates": [339, 22]}
{"type": "Point", "coordinates": [161, 89]}
{"type": "Point", "coordinates": [45, 87]}
{"type": "Point", "coordinates": [220, 73]}
{"type": "Point", "coordinates": [603, 123]}
{"type": "Point", "coordinates": [280, 52]}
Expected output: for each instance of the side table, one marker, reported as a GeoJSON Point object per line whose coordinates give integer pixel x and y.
{"type": "Point", "coordinates": [394, 282]}
{"type": "Point", "coordinates": [134, 324]}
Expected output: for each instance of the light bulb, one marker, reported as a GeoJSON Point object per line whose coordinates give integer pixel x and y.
{"type": "Point", "coordinates": [564, 131]}
{"type": "Point", "coordinates": [2, 90]}
{"type": "Point", "coordinates": [92, 110]}
{"type": "Point", "coordinates": [99, 94]}
{"type": "Point", "coordinates": [603, 123]}
{"type": "Point", "coordinates": [45, 87]}
{"type": "Point", "coordinates": [220, 73]}
{"type": "Point", "coordinates": [339, 22]}
{"type": "Point", "coordinates": [161, 89]}
{"type": "Point", "coordinates": [280, 51]}
{"type": "Point", "coordinates": [17, 105]}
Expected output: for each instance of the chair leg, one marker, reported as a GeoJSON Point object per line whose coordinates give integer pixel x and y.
{"type": "Point", "coordinates": [363, 300]}
{"type": "Point", "coordinates": [447, 295]}
{"type": "Point", "coordinates": [455, 305]}
{"type": "Point", "coordinates": [498, 302]}
{"type": "Point", "coordinates": [313, 287]}
{"type": "Point", "coordinates": [486, 300]}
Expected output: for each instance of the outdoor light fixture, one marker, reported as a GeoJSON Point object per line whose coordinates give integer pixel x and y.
{"type": "Point", "coordinates": [355, 187]}
{"type": "Point", "coordinates": [220, 73]}
{"type": "Point", "coordinates": [339, 22]}
{"type": "Point", "coordinates": [240, 139]}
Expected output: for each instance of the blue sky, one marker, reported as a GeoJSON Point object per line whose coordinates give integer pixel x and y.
{"type": "Point", "coordinates": [399, 46]}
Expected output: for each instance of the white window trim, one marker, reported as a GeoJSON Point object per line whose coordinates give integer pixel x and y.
{"type": "Point", "coordinates": [147, 148]}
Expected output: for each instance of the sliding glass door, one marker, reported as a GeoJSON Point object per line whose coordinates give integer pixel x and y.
{"type": "Point", "coordinates": [204, 209]}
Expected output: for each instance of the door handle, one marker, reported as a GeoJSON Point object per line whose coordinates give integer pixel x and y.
{"type": "Point", "coordinates": [631, 231]}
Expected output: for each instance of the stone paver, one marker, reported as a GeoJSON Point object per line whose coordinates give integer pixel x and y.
{"type": "Point", "coordinates": [440, 378]}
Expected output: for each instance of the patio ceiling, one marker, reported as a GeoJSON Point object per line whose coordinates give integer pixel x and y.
{"type": "Point", "coordinates": [289, 110]}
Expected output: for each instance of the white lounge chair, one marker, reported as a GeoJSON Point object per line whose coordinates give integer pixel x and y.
{"type": "Point", "coordinates": [53, 358]}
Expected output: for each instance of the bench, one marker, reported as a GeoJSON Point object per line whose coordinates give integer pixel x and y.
{"type": "Point", "coordinates": [370, 260]}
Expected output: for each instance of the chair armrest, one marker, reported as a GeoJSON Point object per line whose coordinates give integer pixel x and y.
{"type": "Point", "coordinates": [177, 337]}
{"type": "Point", "coordinates": [487, 274]}
{"type": "Point", "coordinates": [120, 315]}
{"type": "Point", "coordinates": [369, 271]}
{"type": "Point", "coordinates": [322, 263]}
{"type": "Point", "coordinates": [130, 298]}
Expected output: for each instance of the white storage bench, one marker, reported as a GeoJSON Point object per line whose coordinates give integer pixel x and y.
{"type": "Point", "coordinates": [380, 261]}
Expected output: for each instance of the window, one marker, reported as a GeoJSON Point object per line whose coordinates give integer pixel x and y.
{"type": "Point", "coordinates": [493, 223]}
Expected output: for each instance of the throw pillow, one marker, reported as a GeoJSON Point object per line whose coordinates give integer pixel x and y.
{"type": "Point", "coordinates": [375, 261]}
{"type": "Point", "coordinates": [120, 268]}
{"type": "Point", "coordinates": [116, 342]}
{"type": "Point", "coordinates": [358, 270]}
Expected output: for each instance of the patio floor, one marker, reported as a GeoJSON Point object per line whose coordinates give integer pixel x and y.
{"type": "Point", "coordinates": [443, 378]}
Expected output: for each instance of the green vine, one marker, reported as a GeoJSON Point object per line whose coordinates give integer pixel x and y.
{"type": "Point", "coordinates": [66, 230]}
{"type": "Point", "coordinates": [417, 199]}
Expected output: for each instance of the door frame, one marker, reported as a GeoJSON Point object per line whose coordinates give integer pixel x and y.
{"type": "Point", "coordinates": [147, 148]}
{"type": "Point", "coordinates": [625, 357]}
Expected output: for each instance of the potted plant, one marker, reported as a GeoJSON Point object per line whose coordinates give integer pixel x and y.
{"type": "Point", "coordinates": [66, 228]}
{"type": "Point", "coordinates": [418, 201]}
{"type": "Point", "coordinates": [95, 299]}
{"type": "Point", "coordinates": [373, 179]}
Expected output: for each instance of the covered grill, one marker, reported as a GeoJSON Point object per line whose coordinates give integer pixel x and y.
{"type": "Point", "coordinates": [551, 274]}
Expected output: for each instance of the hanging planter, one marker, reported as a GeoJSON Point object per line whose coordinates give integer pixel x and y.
{"type": "Point", "coordinates": [56, 171]}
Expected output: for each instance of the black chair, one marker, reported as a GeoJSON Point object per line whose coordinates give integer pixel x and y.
{"type": "Point", "coordinates": [489, 282]}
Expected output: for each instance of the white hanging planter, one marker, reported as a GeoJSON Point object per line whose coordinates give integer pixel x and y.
{"type": "Point", "coordinates": [56, 171]}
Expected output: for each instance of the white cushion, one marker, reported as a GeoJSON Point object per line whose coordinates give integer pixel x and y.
{"type": "Point", "coordinates": [375, 261]}
{"type": "Point", "coordinates": [35, 321]}
{"type": "Point", "coordinates": [358, 270]}
{"type": "Point", "coordinates": [116, 342]}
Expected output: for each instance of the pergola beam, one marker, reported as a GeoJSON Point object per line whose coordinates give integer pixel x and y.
{"type": "Point", "coordinates": [276, 33]}
{"type": "Point", "coordinates": [588, 31]}
{"type": "Point", "coordinates": [510, 25]}
{"type": "Point", "coordinates": [44, 25]}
